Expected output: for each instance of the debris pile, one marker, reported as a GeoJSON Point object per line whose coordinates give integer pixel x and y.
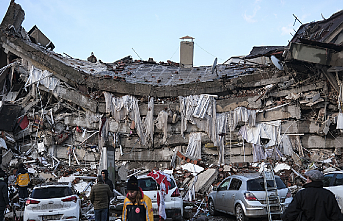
{"type": "Point", "coordinates": [61, 115]}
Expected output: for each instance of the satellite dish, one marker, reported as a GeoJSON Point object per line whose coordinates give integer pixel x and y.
{"type": "Point", "coordinates": [276, 62]}
{"type": "Point", "coordinates": [214, 66]}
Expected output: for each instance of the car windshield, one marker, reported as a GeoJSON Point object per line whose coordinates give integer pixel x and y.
{"type": "Point", "coordinates": [258, 184]}
{"type": "Point", "coordinates": [150, 184]}
{"type": "Point", "coordinates": [51, 192]}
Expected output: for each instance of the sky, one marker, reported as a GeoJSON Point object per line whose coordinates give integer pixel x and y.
{"type": "Point", "coordinates": [114, 29]}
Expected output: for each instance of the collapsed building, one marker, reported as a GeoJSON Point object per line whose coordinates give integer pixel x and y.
{"type": "Point", "coordinates": [278, 102]}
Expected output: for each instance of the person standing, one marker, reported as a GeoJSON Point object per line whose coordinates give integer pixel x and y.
{"type": "Point", "coordinates": [104, 174]}
{"type": "Point", "coordinates": [313, 203]}
{"type": "Point", "coordinates": [137, 206]}
{"type": "Point", "coordinates": [100, 195]}
{"type": "Point", "coordinates": [4, 203]}
{"type": "Point", "coordinates": [22, 180]}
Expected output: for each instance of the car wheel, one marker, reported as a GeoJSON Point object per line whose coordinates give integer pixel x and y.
{"type": "Point", "coordinates": [211, 208]}
{"type": "Point", "coordinates": [240, 216]}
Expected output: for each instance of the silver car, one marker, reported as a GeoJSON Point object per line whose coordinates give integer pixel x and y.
{"type": "Point", "coordinates": [244, 196]}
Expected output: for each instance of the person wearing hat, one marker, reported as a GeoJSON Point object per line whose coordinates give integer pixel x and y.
{"type": "Point", "coordinates": [137, 206]}
{"type": "Point", "coordinates": [4, 203]}
{"type": "Point", "coordinates": [22, 181]}
{"type": "Point", "coordinates": [313, 203]}
{"type": "Point", "coordinates": [100, 196]}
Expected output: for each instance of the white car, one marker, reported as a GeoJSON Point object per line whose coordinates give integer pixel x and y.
{"type": "Point", "coordinates": [173, 200]}
{"type": "Point", "coordinates": [333, 181]}
{"type": "Point", "coordinates": [52, 202]}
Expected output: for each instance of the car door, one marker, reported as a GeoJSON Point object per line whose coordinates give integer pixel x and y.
{"type": "Point", "coordinates": [231, 195]}
{"type": "Point", "coordinates": [334, 183]}
{"type": "Point", "coordinates": [220, 195]}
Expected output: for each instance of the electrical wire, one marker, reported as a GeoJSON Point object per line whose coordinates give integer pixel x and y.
{"type": "Point", "coordinates": [174, 53]}
{"type": "Point", "coordinates": [207, 52]}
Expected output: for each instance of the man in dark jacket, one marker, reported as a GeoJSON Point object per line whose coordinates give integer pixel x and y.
{"type": "Point", "coordinates": [104, 174]}
{"type": "Point", "coordinates": [107, 181]}
{"type": "Point", "coordinates": [100, 195]}
{"type": "Point", "coordinates": [314, 203]}
{"type": "Point", "coordinates": [4, 203]}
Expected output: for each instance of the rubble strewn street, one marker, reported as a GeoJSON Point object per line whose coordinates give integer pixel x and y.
{"type": "Point", "coordinates": [67, 119]}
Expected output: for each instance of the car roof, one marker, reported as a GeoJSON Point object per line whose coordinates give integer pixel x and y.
{"type": "Point", "coordinates": [145, 175]}
{"type": "Point", "coordinates": [247, 176]}
{"type": "Point", "coordinates": [53, 184]}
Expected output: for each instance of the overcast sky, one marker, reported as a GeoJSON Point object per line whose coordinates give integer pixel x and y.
{"type": "Point", "coordinates": [225, 28]}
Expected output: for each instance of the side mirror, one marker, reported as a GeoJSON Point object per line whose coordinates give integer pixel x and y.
{"type": "Point", "coordinates": [215, 188]}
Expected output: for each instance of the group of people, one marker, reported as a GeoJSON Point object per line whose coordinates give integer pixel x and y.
{"type": "Point", "coordinates": [22, 181]}
{"type": "Point", "coordinates": [312, 203]}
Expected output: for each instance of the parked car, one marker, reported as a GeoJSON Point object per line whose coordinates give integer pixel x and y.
{"type": "Point", "coordinates": [54, 201]}
{"type": "Point", "coordinates": [244, 196]}
{"type": "Point", "coordinates": [173, 200]}
{"type": "Point", "coordinates": [333, 181]}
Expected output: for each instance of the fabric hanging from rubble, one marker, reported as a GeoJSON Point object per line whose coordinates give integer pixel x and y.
{"type": "Point", "coordinates": [200, 110]}
{"type": "Point", "coordinates": [43, 77]}
{"type": "Point", "coordinates": [242, 114]}
{"type": "Point", "coordinates": [340, 106]}
{"type": "Point", "coordinates": [221, 129]}
{"type": "Point", "coordinates": [187, 106]}
{"type": "Point", "coordinates": [183, 114]}
{"type": "Point", "coordinates": [194, 145]}
{"type": "Point", "coordinates": [266, 130]}
{"type": "Point", "coordinates": [286, 146]}
{"type": "Point", "coordinates": [258, 153]}
{"type": "Point", "coordinates": [149, 121]}
{"type": "Point", "coordinates": [120, 107]}
{"type": "Point", "coordinates": [162, 124]}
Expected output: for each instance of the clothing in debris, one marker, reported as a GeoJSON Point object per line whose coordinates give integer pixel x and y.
{"type": "Point", "coordinates": [23, 180]}
{"type": "Point", "coordinates": [137, 206]}
{"type": "Point", "coordinates": [200, 110]}
{"type": "Point", "coordinates": [314, 203]}
{"type": "Point", "coordinates": [100, 195]}
{"type": "Point", "coordinates": [194, 145]}
{"type": "Point", "coordinates": [43, 77]}
{"type": "Point", "coordinates": [161, 123]}
{"type": "Point", "coordinates": [121, 107]}
{"type": "Point", "coordinates": [4, 203]}
{"type": "Point", "coordinates": [266, 130]}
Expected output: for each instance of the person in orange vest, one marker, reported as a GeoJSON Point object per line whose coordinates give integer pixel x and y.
{"type": "Point", "coordinates": [22, 181]}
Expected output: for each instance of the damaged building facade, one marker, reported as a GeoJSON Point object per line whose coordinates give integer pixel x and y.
{"type": "Point", "coordinates": [277, 102]}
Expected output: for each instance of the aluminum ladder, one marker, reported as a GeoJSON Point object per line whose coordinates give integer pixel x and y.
{"type": "Point", "coordinates": [272, 196]}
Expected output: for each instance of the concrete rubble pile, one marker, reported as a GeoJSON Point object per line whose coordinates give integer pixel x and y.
{"type": "Point", "coordinates": [61, 115]}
